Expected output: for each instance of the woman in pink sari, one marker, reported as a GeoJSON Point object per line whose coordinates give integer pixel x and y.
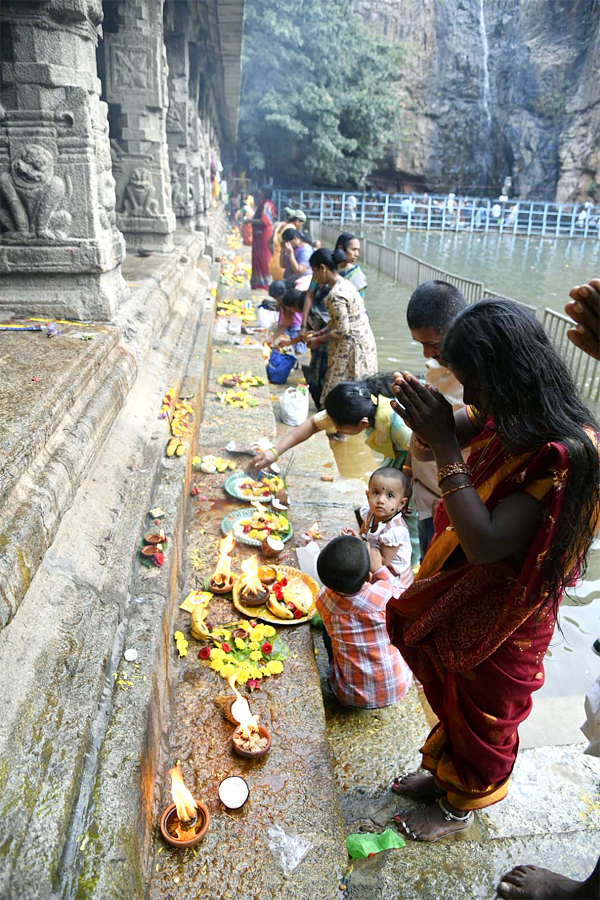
{"type": "Point", "coordinates": [262, 231]}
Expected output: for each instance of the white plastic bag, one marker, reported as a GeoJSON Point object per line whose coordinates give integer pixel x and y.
{"type": "Point", "coordinates": [265, 318]}
{"type": "Point", "coordinates": [293, 404]}
{"type": "Point", "coordinates": [288, 849]}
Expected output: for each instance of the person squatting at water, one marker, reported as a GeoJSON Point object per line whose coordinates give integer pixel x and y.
{"type": "Point", "coordinates": [431, 309]}
{"type": "Point", "coordinates": [366, 671]}
{"type": "Point", "coordinates": [382, 521]}
{"type": "Point", "coordinates": [511, 534]}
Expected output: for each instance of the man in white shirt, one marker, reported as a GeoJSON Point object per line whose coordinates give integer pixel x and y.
{"type": "Point", "coordinates": [430, 311]}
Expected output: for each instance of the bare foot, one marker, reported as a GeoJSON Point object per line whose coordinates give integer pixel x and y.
{"type": "Point", "coordinates": [531, 883]}
{"type": "Point", "coordinates": [420, 784]}
{"type": "Point", "coordinates": [430, 824]}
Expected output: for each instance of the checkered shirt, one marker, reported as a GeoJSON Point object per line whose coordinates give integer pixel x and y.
{"type": "Point", "coordinates": [366, 670]}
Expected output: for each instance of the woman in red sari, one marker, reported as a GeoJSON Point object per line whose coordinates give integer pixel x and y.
{"type": "Point", "coordinates": [511, 533]}
{"type": "Point", "coordinates": [262, 231]}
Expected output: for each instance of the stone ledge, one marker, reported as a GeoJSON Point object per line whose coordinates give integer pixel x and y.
{"type": "Point", "coordinates": [66, 636]}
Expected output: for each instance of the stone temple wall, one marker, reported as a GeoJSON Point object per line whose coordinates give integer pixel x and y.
{"type": "Point", "coordinates": [112, 115]}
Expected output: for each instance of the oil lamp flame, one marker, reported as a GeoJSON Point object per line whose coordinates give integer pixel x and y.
{"type": "Point", "coordinates": [241, 711]}
{"type": "Point", "coordinates": [250, 583]}
{"type": "Point", "coordinates": [222, 573]}
{"type": "Point", "coordinates": [185, 803]}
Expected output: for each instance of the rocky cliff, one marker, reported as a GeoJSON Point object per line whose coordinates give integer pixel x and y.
{"type": "Point", "coordinates": [497, 88]}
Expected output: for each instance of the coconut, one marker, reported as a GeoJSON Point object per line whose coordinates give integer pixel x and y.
{"type": "Point", "coordinates": [233, 792]}
{"type": "Point", "coordinates": [277, 504]}
{"type": "Point", "coordinates": [271, 547]}
{"type": "Point", "coordinates": [282, 496]}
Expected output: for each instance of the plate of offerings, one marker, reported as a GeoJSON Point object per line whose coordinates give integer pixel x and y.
{"type": "Point", "coordinates": [252, 524]}
{"type": "Point", "coordinates": [290, 600]}
{"type": "Point", "coordinates": [244, 487]}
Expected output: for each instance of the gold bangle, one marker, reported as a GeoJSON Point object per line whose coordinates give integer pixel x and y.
{"type": "Point", "coordinates": [455, 489]}
{"type": "Point", "coordinates": [460, 468]}
{"type": "Point", "coordinates": [274, 450]}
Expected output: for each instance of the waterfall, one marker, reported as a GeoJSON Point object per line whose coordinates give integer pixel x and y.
{"type": "Point", "coordinates": [486, 95]}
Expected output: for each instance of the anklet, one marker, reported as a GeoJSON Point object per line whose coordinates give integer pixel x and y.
{"type": "Point", "coordinates": [450, 817]}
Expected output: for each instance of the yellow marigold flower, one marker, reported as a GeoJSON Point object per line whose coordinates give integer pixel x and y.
{"type": "Point", "coordinates": [217, 664]}
{"type": "Point", "coordinates": [269, 631]}
{"type": "Point", "coordinates": [227, 670]}
{"type": "Point", "coordinates": [226, 634]}
{"type": "Point", "coordinates": [240, 644]}
{"type": "Point", "coordinates": [242, 676]}
{"type": "Point", "coordinates": [275, 666]}
{"type": "Point", "coordinates": [254, 645]}
{"type": "Point", "coordinates": [256, 655]}
{"type": "Point", "coordinates": [217, 653]}
{"type": "Point", "coordinates": [257, 633]}
{"type": "Point", "coordinates": [245, 624]}
{"type": "Point", "coordinates": [264, 671]}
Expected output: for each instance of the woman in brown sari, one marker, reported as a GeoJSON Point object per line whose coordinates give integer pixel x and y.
{"type": "Point", "coordinates": [511, 533]}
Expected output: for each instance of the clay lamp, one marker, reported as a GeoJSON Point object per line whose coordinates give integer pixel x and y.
{"type": "Point", "coordinates": [185, 822]}
{"type": "Point", "coordinates": [271, 548]}
{"type": "Point", "coordinates": [156, 538]}
{"type": "Point", "coordinates": [267, 574]}
{"type": "Point", "coordinates": [233, 792]}
{"type": "Point", "coordinates": [221, 581]}
{"type": "Point", "coordinates": [248, 588]}
{"type": "Point", "coordinates": [250, 739]}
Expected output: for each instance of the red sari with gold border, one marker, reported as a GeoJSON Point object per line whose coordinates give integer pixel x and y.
{"type": "Point", "coordinates": [475, 635]}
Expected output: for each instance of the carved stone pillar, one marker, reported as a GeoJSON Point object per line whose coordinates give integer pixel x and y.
{"type": "Point", "coordinates": [136, 90]}
{"type": "Point", "coordinates": [60, 251]}
{"type": "Point", "coordinates": [178, 132]}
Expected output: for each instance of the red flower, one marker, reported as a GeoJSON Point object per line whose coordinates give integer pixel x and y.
{"type": "Point", "coordinates": [226, 648]}
{"type": "Point", "coordinates": [284, 582]}
{"type": "Point", "coordinates": [204, 653]}
{"type": "Point", "coordinates": [298, 614]}
{"type": "Point", "coordinates": [266, 648]}
{"type": "Point", "coordinates": [252, 683]}
{"type": "Point", "coordinates": [158, 558]}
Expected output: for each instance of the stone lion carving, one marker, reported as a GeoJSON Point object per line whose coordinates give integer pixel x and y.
{"type": "Point", "coordinates": [140, 194]}
{"type": "Point", "coordinates": [31, 196]}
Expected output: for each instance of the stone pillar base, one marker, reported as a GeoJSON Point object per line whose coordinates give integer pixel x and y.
{"type": "Point", "coordinates": [84, 297]}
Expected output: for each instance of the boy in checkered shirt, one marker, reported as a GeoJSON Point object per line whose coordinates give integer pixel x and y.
{"type": "Point", "coordinates": [366, 671]}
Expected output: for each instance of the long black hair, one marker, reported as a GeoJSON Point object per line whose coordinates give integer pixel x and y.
{"type": "Point", "coordinates": [344, 239]}
{"type": "Point", "coordinates": [501, 347]}
{"type": "Point", "coordinates": [350, 401]}
{"type": "Point", "coordinates": [331, 259]}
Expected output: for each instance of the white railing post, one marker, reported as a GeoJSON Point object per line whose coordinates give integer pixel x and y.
{"type": "Point", "coordinates": [322, 209]}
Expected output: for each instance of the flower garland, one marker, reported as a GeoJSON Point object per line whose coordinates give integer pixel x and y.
{"type": "Point", "coordinates": [250, 650]}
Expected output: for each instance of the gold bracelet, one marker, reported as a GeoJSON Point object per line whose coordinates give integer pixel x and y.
{"type": "Point", "coordinates": [455, 489]}
{"type": "Point", "coordinates": [460, 468]}
{"type": "Point", "coordinates": [274, 450]}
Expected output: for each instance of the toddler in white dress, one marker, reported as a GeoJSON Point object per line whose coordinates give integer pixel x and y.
{"type": "Point", "coordinates": [383, 526]}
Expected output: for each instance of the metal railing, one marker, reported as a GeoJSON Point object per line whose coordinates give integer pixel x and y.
{"type": "Point", "coordinates": [412, 271]}
{"type": "Point", "coordinates": [423, 212]}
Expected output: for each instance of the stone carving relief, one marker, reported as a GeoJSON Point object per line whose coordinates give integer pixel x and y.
{"type": "Point", "coordinates": [130, 68]}
{"type": "Point", "coordinates": [175, 117]}
{"type": "Point", "coordinates": [178, 191]}
{"type": "Point", "coordinates": [139, 198]}
{"type": "Point", "coordinates": [33, 197]}
{"type": "Point", "coordinates": [107, 198]}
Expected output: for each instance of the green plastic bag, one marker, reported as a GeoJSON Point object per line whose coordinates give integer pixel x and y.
{"type": "Point", "coordinates": [361, 845]}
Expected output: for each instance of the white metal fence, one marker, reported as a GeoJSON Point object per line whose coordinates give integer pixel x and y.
{"type": "Point", "coordinates": [424, 212]}
{"type": "Point", "coordinates": [412, 271]}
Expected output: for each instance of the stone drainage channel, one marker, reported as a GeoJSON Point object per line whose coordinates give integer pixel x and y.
{"type": "Point", "coordinates": [329, 769]}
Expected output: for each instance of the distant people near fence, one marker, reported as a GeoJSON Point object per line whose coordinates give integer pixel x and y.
{"type": "Point", "coordinates": [351, 205]}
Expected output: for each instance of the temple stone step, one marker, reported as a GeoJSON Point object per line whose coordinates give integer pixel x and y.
{"type": "Point", "coordinates": [65, 640]}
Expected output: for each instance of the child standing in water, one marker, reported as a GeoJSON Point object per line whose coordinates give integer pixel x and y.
{"type": "Point", "coordinates": [383, 526]}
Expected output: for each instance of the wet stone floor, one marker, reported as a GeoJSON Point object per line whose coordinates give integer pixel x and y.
{"type": "Point", "coordinates": [329, 769]}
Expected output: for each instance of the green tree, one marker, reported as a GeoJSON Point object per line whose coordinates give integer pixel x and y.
{"type": "Point", "coordinates": [317, 98]}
